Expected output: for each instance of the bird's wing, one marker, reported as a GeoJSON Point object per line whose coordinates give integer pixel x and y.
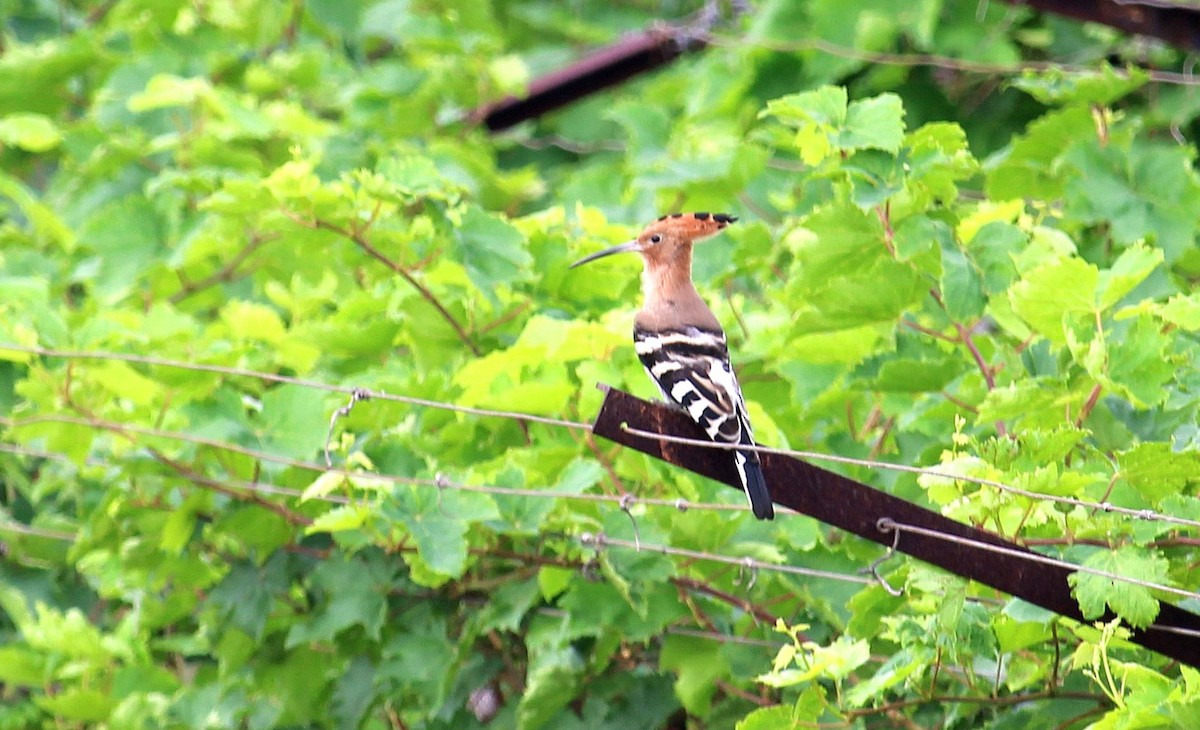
{"type": "Point", "coordinates": [691, 368]}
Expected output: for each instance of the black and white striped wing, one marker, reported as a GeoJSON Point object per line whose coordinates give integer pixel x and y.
{"type": "Point", "coordinates": [691, 368]}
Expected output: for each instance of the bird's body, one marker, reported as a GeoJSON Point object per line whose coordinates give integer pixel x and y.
{"type": "Point", "coordinates": [681, 344]}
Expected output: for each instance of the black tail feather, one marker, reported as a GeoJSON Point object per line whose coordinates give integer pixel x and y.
{"type": "Point", "coordinates": [755, 485]}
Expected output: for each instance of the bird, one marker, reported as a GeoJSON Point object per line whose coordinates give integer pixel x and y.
{"type": "Point", "coordinates": [681, 343]}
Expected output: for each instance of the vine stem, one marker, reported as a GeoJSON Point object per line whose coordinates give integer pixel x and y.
{"type": "Point", "coordinates": [359, 239]}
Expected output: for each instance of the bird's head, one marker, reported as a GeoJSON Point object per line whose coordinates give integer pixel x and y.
{"type": "Point", "coordinates": [663, 240]}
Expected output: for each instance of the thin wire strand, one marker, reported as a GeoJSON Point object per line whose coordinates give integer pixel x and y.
{"type": "Point", "coordinates": [441, 482]}
{"type": "Point", "coordinates": [289, 380]}
{"type": "Point", "coordinates": [593, 541]}
{"type": "Point", "coordinates": [949, 63]}
{"type": "Point", "coordinates": [23, 529]}
{"type": "Point", "coordinates": [438, 482]}
{"type": "Point", "coordinates": [363, 394]}
{"type": "Point", "coordinates": [723, 638]}
{"type": "Point", "coordinates": [600, 540]}
{"type": "Point", "coordinates": [889, 524]}
{"type": "Point", "coordinates": [1142, 514]}
{"type": "Point", "coordinates": [1194, 633]}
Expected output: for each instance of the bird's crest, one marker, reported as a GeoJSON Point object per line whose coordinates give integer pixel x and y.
{"type": "Point", "coordinates": [669, 239]}
{"type": "Point", "coordinates": [689, 227]}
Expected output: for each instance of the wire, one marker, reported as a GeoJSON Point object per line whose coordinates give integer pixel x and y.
{"type": "Point", "coordinates": [363, 394]}
{"type": "Point", "coordinates": [274, 378]}
{"type": "Point", "coordinates": [600, 540]}
{"type": "Point", "coordinates": [594, 540]}
{"type": "Point", "coordinates": [949, 63]}
{"type": "Point", "coordinates": [1142, 514]}
{"type": "Point", "coordinates": [888, 524]}
{"type": "Point", "coordinates": [23, 529]}
{"type": "Point", "coordinates": [441, 482]}
{"type": "Point", "coordinates": [1194, 633]}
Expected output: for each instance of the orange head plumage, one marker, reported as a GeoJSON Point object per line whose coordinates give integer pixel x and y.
{"type": "Point", "coordinates": [665, 239]}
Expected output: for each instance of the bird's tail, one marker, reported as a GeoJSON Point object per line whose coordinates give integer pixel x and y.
{"type": "Point", "coordinates": [755, 485]}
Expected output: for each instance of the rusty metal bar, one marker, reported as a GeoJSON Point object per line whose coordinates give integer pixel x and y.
{"type": "Point", "coordinates": [1177, 24]}
{"type": "Point", "coordinates": [857, 508]}
{"type": "Point", "coordinates": [647, 50]}
{"type": "Point", "coordinates": [607, 67]}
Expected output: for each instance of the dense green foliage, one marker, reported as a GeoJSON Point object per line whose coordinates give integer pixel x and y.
{"type": "Point", "coordinates": [956, 265]}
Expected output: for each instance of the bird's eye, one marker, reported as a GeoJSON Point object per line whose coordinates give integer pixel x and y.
{"type": "Point", "coordinates": [656, 238]}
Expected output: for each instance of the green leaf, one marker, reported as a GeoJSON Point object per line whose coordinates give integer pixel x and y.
{"type": "Point", "coordinates": [775, 717]}
{"type": "Point", "coordinates": [1143, 193]}
{"type": "Point", "coordinates": [23, 667]}
{"type": "Point", "coordinates": [508, 606]}
{"type": "Point", "coordinates": [905, 375]}
{"type": "Point", "coordinates": [697, 664]}
{"type": "Point", "coordinates": [1045, 295]}
{"type": "Point", "coordinates": [79, 705]}
{"type": "Point", "coordinates": [1130, 269]}
{"type": "Point", "coordinates": [30, 132]}
{"type": "Point", "coordinates": [961, 286]}
{"type": "Point", "coordinates": [493, 251]}
{"type": "Point", "coordinates": [992, 250]}
{"type": "Point", "coordinates": [1157, 471]}
{"type": "Point", "coordinates": [824, 122]}
{"type": "Point", "coordinates": [294, 423]}
{"type": "Point", "coordinates": [1057, 86]}
{"type": "Point", "coordinates": [124, 382]}
{"type": "Point", "coordinates": [415, 177]}
{"type": "Point", "coordinates": [548, 688]}
{"type": "Point", "coordinates": [352, 596]}
{"type": "Point", "coordinates": [1182, 311]}
{"type": "Point", "coordinates": [245, 595]}
{"type": "Point", "coordinates": [552, 581]}
{"type": "Point", "coordinates": [168, 90]}
{"type": "Point", "coordinates": [824, 106]}
{"type": "Point", "coordinates": [1138, 364]}
{"type": "Point", "coordinates": [875, 123]}
{"type": "Point", "coordinates": [354, 693]}
{"type": "Point", "coordinates": [179, 527]}
{"type": "Point", "coordinates": [254, 322]}
{"type": "Point", "coordinates": [339, 17]}
{"type": "Point", "coordinates": [835, 661]}
{"type": "Point", "coordinates": [324, 485]}
{"type": "Point", "coordinates": [595, 605]}
{"type": "Point", "coordinates": [843, 276]}
{"type": "Point", "coordinates": [437, 522]}
{"type": "Point", "coordinates": [339, 519]}
{"type": "Point", "coordinates": [897, 669]}
{"type": "Point", "coordinates": [1134, 604]}
{"type": "Point", "coordinates": [1028, 169]}
{"type": "Point", "coordinates": [126, 235]}
{"type": "Point", "coordinates": [922, 239]}
{"type": "Point", "coordinates": [579, 476]}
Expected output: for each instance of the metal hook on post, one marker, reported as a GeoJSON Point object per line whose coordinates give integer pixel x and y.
{"type": "Point", "coordinates": [589, 568]}
{"type": "Point", "coordinates": [356, 395]}
{"type": "Point", "coordinates": [626, 502]}
{"type": "Point", "coordinates": [748, 572]}
{"type": "Point", "coordinates": [749, 568]}
{"type": "Point", "coordinates": [885, 525]}
{"type": "Point", "coordinates": [441, 482]}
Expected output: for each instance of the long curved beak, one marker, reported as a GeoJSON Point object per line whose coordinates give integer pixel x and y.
{"type": "Point", "coordinates": [619, 248]}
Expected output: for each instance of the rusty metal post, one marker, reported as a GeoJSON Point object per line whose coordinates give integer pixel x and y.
{"type": "Point", "coordinates": [858, 508]}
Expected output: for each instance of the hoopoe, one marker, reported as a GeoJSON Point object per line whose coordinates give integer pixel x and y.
{"type": "Point", "coordinates": [682, 346]}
